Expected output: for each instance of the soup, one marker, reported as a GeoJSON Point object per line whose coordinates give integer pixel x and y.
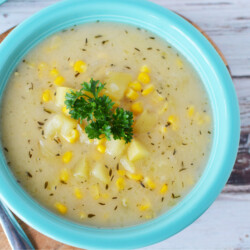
{"type": "Point", "coordinates": [102, 182]}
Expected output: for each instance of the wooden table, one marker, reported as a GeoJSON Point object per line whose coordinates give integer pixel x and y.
{"type": "Point", "coordinates": [226, 224]}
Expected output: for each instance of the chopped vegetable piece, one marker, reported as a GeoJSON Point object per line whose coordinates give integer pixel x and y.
{"type": "Point", "coordinates": [149, 89]}
{"type": "Point", "coordinates": [101, 148]}
{"type": "Point", "coordinates": [136, 151]}
{"type": "Point", "coordinates": [67, 157]}
{"type": "Point", "coordinates": [115, 147]}
{"type": "Point", "coordinates": [136, 177]}
{"type": "Point", "coordinates": [143, 78]}
{"type": "Point", "coordinates": [135, 86]}
{"type": "Point", "coordinates": [59, 80]}
{"type": "Point", "coordinates": [80, 66]}
{"type": "Point", "coordinates": [137, 108]}
{"type": "Point", "coordinates": [145, 122]}
{"type": "Point", "coordinates": [46, 96]}
{"type": "Point", "coordinates": [145, 69]}
{"type": "Point", "coordinates": [60, 95]}
{"type": "Point", "coordinates": [54, 72]}
{"type": "Point", "coordinates": [81, 169]}
{"type": "Point", "coordinates": [61, 208]}
{"type": "Point", "coordinates": [128, 165]}
{"type": "Point", "coordinates": [190, 111]}
{"type": "Point", "coordinates": [78, 194]}
{"type": "Point", "coordinates": [164, 189]}
{"type": "Point", "coordinates": [149, 183]}
{"type": "Point", "coordinates": [120, 183]}
{"type": "Point", "coordinates": [64, 175]}
{"type": "Point", "coordinates": [101, 173]}
{"type": "Point", "coordinates": [131, 94]}
{"type": "Point", "coordinates": [116, 84]}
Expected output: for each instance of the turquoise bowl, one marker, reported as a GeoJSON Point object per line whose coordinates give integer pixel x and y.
{"type": "Point", "coordinates": [217, 82]}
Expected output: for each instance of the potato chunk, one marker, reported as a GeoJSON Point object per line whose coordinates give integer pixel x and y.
{"type": "Point", "coordinates": [53, 126]}
{"type": "Point", "coordinates": [136, 151]}
{"type": "Point", "coordinates": [116, 84]}
{"type": "Point", "coordinates": [115, 147]}
{"type": "Point", "coordinates": [81, 169]}
{"type": "Point", "coordinates": [129, 166]}
{"type": "Point", "coordinates": [59, 125]}
{"type": "Point", "coordinates": [101, 173]}
{"type": "Point", "coordinates": [60, 95]}
{"type": "Point", "coordinates": [145, 122]}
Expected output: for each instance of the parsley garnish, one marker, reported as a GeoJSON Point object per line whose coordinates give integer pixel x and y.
{"type": "Point", "coordinates": [98, 110]}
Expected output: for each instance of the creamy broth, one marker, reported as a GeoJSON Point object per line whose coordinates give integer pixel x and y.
{"type": "Point", "coordinates": [115, 184]}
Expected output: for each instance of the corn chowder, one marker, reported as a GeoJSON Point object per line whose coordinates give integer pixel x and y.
{"type": "Point", "coordinates": [102, 182]}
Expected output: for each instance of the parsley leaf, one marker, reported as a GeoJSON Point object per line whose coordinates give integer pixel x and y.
{"type": "Point", "coordinates": [98, 110]}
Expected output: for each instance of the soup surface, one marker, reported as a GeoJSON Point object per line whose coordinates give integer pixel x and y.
{"type": "Point", "coordinates": [100, 182]}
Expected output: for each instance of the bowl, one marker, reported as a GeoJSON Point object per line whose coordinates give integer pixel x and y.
{"type": "Point", "coordinates": [217, 82]}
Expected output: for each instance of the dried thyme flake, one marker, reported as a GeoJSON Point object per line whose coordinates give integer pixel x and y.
{"type": "Point", "coordinates": [175, 196]}
{"type": "Point", "coordinates": [29, 174]}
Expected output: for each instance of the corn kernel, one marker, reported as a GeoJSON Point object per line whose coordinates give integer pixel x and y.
{"type": "Point", "coordinates": [148, 216]}
{"type": "Point", "coordinates": [73, 136]}
{"type": "Point", "coordinates": [164, 189]}
{"type": "Point", "coordinates": [78, 193]}
{"type": "Point", "coordinates": [64, 175]}
{"type": "Point", "coordinates": [131, 94]}
{"type": "Point", "coordinates": [137, 108]}
{"type": "Point", "coordinates": [61, 208]}
{"type": "Point", "coordinates": [149, 183]}
{"type": "Point", "coordinates": [145, 69]}
{"type": "Point", "coordinates": [46, 96]}
{"type": "Point", "coordinates": [65, 110]}
{"type": "Point", "coordinates": [59, 80]}
{"type": "Point", "coordinates": [190, 111]}
{"type": "Point", "coordinates": [163, 130]}
{"type": "Point", "coordinates": [120, 183]}
{"type": "Point", "coordinates": [101, 148]}
{"type": "Point", "coordinates": [105, 196]}
{"type": "Point", "coordinates": [121, 172]}
{"type": "Point", "coordinates": [80, 66]}
{"type": "Point", "coordinates": [83, 215]}
{"type": "Point", "coordinates": [136, 177]}
{"type": "Point", "coordinates": [102, 141]}
{"type": "Point", "coordinates": [42, 66]}
{"type": "Point", "coordinates": [156, 97]}
{"type": "Point", "coordinates": [54, 72]}
{"type": "Point", "coordinates": [163, 109]}
{"type": "Point", "coordinates": [144, 207]}
{"type": "Point", "coordinates": [149, 89]}
{"type": "Point", "coordinates": [143, 78]}
{"type": "Point", "coordinates": [95, 191]}
{"type": "Point", "coordinates": [179, 63]}
{"type": "Point", "coordinates": [125, 202]}
{"type": "Point", "coordinates": [67, 157]}
{"type": "Point", "coordinates": [135, 86]}
{"type": "Point", "coordinates": [173, 120]}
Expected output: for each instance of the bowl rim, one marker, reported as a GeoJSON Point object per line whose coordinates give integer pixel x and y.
{"type": "Point", "coordinates": [217, 81]}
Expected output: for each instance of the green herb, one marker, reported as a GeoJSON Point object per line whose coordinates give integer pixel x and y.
{"type": "Point", "coordinates": [98, 110]}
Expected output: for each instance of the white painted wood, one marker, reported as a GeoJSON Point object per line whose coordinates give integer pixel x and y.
{"type": "Point", "coordinates": [226, 224]}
